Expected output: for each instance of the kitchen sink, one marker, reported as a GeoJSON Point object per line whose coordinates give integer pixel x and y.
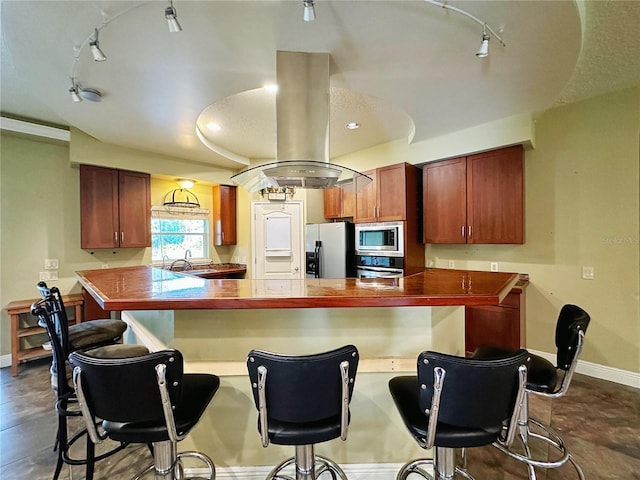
{"type": "Point", "coordinates": [211, 270]}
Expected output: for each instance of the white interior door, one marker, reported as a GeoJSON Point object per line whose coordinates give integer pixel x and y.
{"type": "Point", "coordinates": [278, 240]}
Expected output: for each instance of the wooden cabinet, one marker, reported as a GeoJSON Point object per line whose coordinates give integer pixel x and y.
{"type": "Point", "coordinates": [501, 325]}
{"type": "Point", "coordinates": [392, 195]}
{"type": "Point", "coordinates": [91, 309]}
{"type": "Point", "coordinates": [115, 208]}
{"type": "Point", "coordinates": [339, 202]}
{"type": "Point", "coordinates": [27, 337]}
{"type": "Point", "coordinates": [224, 215]}
{"type": "Point", "coordinates": [475, 199]}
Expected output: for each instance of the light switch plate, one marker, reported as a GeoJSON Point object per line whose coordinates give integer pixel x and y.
{"type": "Point", "coordinates": [588, 273]}
{"type": "Point", "coordinates": [51, 263]}
{"type": "Point", "coordinates": [49, 275]}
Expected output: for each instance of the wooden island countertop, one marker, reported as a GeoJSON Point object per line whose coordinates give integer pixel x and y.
{"type": "Point", "coordinates": [151, 288]}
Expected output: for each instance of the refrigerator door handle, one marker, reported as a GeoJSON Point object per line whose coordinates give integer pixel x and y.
{"type": "Point", "coordinates": [318, 253]}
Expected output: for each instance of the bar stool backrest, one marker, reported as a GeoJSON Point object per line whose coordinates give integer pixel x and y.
{"type": "Point", "coordinates": [127, 389]}
{"type": "Point", "coordinates": [571, 321]}
{"type": "Point", "coordinates": [58, 313]}
{"type": "Point", "coordinates": [303, 388]}
{"type": "Point", "coordinates": [44, 309]}
{"type": "Point", "coordinates": [475, 393]}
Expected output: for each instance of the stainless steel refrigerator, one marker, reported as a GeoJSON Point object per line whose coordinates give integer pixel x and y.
{"type": "Point", "coordinates": [330, 250]}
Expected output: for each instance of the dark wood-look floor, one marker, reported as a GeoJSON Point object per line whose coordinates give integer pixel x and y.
{"type": "Point", "coordinates": [599, 420]}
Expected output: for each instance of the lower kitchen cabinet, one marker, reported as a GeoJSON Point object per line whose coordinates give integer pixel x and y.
{"type": "Point", "coordinates": [93, 311]}
{"type": "Point", "coordinates": [500, 325]}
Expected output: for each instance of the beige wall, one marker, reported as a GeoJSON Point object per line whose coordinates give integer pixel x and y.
{"type": "Point", "coordinates": [581, 209]}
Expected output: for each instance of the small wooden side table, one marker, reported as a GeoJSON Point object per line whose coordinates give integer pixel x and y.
{"type": "Point", "coordinates": [20, 307]}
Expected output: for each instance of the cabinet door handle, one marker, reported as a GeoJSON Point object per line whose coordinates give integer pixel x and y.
{"type": "Point", "coordinates": [469, 230]}
{"type": "Point", "coordinates": [116, 237]}
{"type": "Point", "coordinates": [462, 232]}
{"type": "Point", "coordinates": [121, 237]}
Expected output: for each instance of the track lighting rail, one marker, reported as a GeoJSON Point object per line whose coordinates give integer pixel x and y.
{"type": "Point", "coordinates": [79, 93]}
{"type": "Point", "coordinates": [447, 6]}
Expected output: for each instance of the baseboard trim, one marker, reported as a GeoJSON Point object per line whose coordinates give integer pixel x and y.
{"type": "Point", "coordinates": [364, 471]}
{"type": "Point", "coordinates": [616, 375]}
{"type": "Point", "coordinates": [5, 360]}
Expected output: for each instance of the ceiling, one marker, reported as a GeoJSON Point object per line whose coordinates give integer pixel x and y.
{"type": "Point", "coordinates": [401, 69]}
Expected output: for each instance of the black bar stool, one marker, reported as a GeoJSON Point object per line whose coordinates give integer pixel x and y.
{"type": "Point", "coordinates": [48, 310]}
{"type": "Point", "coordinates": [549, 381]}
{"type": "Point", "coordinates": [79, 336]}
{"type": "Point", "coordinates": [145, 399]}
{"type": "Point", "coordinates": [458, 403]}
{"type": "Point", "coordinates": [303, 400]}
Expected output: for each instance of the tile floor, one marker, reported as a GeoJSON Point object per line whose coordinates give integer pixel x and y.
{"type": "Point", "coordinates": [599, 420]}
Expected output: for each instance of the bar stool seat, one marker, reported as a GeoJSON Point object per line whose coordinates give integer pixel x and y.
{"type": "Point", "coordinates": [303, 400]}
{"type": "Point", "coordinates": [47, 310]}
{"type": "Point", "coordinates": [144, 399]}
{"type": "Point", "coordinates": [550, 381]}
{"type": "Point", "coordinates": [458, 403]}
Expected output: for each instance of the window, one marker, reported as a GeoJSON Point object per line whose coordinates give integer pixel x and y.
{"type": "Point", "coordinates": [172, 235]}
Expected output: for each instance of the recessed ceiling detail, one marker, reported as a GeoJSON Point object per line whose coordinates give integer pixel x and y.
{"type": "Point", "coordinates": [248, 123]}
{"type": "Point", "coordinates": [416, 59]}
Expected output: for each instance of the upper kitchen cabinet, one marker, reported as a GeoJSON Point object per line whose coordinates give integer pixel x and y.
{"type": "Point", "coordinates": [475, 199]}
{"type": "Point", "coordinates": [224, 215]}
{"type": "Point", "coordinates": [391, 196]}
{"type": "Point", "coordinates": [115, 208]}
{"type": "Point", "coordinates": [338, 202]}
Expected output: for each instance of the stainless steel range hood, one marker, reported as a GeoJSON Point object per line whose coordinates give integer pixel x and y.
{"type": "Point", "coordinates": [302, 125]}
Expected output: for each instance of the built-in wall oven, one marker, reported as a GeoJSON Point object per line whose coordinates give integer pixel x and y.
{"type": "Point", "coordinates": [376, 266]}
{"type": "Point", "coordinates": [385, 239]}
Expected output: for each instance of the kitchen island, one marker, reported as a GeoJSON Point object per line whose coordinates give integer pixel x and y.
{"type": "Point", "coordinates": [145, 288]}
{"type": "Point", "coordinates": [215, 323]}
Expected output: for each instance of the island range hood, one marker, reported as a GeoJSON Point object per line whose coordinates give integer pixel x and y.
{"type": "Point", "coordinates": [302, 126]}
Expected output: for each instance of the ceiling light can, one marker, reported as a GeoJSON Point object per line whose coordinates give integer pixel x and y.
{"type": "Point", "coordinates": [90, 94]}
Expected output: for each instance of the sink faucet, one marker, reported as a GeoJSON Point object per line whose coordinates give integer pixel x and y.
{"type": "Point", "coordinates": [186, 264]}
{"type": "Point", "coordinates": [187, 254]}
{"type": "Point", "coordinates": [165, 257]}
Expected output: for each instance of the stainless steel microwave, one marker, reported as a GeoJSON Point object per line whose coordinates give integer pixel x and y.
{"type": "Point", "coordinates": [383, 238]}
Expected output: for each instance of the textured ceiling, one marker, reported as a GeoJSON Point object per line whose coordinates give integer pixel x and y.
{"type": "Point", "coordinates": [402, 69]}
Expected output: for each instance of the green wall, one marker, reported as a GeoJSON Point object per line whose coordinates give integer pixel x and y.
{"type": "Point", "coordinates": [582, 209]}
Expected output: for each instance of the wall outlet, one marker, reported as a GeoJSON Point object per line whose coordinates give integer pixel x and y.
{"type": "Point", "coordinates": [51, 263]}
{"type": "Point", "coordinates": [587, 273]}
{"type": "Point", "coordinates": [49, 275]}
{"type": "Point", "coordinates": [494, 266]}
{"type": "Point", "coordinates": [452, 264]}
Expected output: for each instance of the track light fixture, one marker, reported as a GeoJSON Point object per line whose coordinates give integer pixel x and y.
{"type": "Point", "coordinates": [172, 18]}
{"type": "Point", "coordinates": [309, 13]}
{"type": "Point", "coordinates": [484, 46]}
{"type": "Point", "coordinates": [483, 51]}
{"type": "Point", "coordinates": [75, 95]}
{"type": "Point", "coordinates": [98, 55]}
{"type": "Point", "coordinates": [78, 93]}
